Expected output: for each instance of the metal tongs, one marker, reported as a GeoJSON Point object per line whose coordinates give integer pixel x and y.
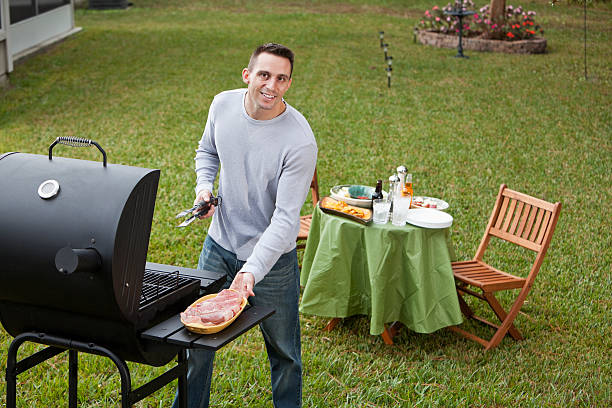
{"type": "Point", "coordinates": [202, 208]}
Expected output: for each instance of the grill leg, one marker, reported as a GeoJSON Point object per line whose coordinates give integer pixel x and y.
{"type": "Point", "coordinates": [182, 379]}
{"type": "Point", "coordinates": [11, 371]}
{"type": "Point", "coordinates": [14, 367]}
{"type": "Point", "coordinates": [73, 377]}
{"type": "Point", "coordinates": [126, 381]}
{"type": "Point", "coordinates": [11, 380]}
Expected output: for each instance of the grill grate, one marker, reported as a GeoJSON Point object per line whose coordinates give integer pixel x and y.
{"type": "Point", "coordinates": [156, 284]}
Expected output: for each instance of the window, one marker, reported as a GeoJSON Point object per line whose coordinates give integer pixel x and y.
{"type": "Point", "coordinates": [24, 9]}
{"type": "Point", "coordinates": [46, 5]}
{"type": "Point", "coordinates": [21, 9]}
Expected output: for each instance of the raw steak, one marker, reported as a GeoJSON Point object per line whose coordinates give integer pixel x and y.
{"type": "Point", "coordinates": [214, 311]}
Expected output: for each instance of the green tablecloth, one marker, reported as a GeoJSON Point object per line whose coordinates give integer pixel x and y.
{"type": "Point", "coordinates": [389, 273]}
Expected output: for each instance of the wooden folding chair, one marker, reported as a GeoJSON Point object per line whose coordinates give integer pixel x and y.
{"type": "Point", "coordinates": [305, 220]}
{"type": "Point", "coordinates": [519, 219]}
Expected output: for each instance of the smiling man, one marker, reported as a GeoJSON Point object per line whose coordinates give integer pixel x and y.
{"type": "Point", "coordinates": [265, 153]}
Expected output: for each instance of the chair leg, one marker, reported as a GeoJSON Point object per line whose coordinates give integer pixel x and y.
{"type": "Point", "coordinates": [501, 314]}
{"type": "Point", "coordinates": [390, 332]}
{"type": "Point", "coordinates": [387, 336]}
{"type": "Point", "coordinates": [507, 323]}
{"type": "Point", "coordinates": [468, 335]}
{"type": "Point", "coordinates": [332, 323]}
{"type": "Point", "coordinates": [465, 308]}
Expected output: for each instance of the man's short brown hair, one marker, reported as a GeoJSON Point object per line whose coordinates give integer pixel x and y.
{"type": "Point", "coordinates": [275, 49]}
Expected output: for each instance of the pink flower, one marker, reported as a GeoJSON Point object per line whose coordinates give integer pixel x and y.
{"type": "Point", "coordinates": [437, 18]}
{"type": "Point", "coordinates": [435, 8]}
{"type": "Point", "coordinates": [476, 15]}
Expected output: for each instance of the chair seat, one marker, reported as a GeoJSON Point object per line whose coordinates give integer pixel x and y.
{"type": "Point", "coordinates": [485, 277]}
{"type": "Point", "coordinates": [305, 222]}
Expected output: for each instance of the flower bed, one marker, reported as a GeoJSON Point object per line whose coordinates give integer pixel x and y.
{"type": "Point", "coordinates": [535, 45]}
{"type": "Point", "coordinates": [517, 33]}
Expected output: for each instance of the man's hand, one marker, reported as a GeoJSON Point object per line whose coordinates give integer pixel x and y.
{"type": "Point", "coordinates": [204, 195]}
{"type": "Point", "coordinates": [243, 283]}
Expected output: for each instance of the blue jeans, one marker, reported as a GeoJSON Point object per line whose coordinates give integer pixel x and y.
{"type": "Point", "coordinates": [281, 331]}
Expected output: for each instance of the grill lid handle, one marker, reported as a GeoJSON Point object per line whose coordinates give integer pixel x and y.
{"type": "Point", "coordinates": [76, 142]}
{"type": "Point", "coordinates": [68, 260]}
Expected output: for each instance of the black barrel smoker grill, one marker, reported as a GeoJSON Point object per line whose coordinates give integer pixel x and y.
{"type": "Point", "coordinates": [74, 237]}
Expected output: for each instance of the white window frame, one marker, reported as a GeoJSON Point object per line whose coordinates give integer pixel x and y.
{"type": "Point", "coordinates": [4, 35]}
{"type": "Point", "coordinates": [3, 23]}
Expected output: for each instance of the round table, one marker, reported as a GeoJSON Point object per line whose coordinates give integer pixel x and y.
{"type": "Point", "coordinates": [390, 273]}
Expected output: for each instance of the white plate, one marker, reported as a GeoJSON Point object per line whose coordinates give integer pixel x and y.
{"type": "Point", "coordinates": [341, 193]}
{"type": "Point", "coordinates": [429, 218]}
{"type": "Point", "coordinates": [440, 204]}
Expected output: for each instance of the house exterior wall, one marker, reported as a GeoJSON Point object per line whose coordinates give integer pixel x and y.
{"type": "Point", "coordinates": [29, 34]}
{"type": "Point", "coordinates": [3, 64]}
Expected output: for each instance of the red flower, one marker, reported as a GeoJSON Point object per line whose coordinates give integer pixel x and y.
{"type": "Point", "coordinates": [510, 35]}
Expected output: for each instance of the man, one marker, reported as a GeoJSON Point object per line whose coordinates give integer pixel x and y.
{"type": "Point", "coordinates": [267, 153]}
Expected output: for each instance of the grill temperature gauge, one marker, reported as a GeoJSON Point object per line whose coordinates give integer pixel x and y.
{"type": "Point", "coordinates": [48, 189]}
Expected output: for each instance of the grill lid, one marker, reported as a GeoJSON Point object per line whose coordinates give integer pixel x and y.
{"type": "Point", "coordinates": [74, 233]}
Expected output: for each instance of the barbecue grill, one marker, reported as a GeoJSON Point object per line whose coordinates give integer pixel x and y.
{"type": "Point", "coordinates": [73, 273]}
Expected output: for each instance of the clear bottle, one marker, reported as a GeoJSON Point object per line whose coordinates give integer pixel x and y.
{"type": "Point", "coordinates": [393, 183]}
{"type": "Point", "coordinates": [407, 189]}
{"type": "Point", "coordinates": [401, 173]}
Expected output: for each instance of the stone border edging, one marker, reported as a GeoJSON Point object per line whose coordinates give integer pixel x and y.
{"type": "Point", "coordinates": [536, 45]}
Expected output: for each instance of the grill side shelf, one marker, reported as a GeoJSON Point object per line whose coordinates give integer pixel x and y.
{"type": "Point", "coordinates": [172, 330]}
{"type": "Point", "coordinates": [163, 330]}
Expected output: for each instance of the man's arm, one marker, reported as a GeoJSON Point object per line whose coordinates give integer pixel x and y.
{"type": "Point", "coordinates": [206, 162]}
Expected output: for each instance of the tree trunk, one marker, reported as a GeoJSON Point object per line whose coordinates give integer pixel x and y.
{"type": "Point", "coordinates": [498, 9]}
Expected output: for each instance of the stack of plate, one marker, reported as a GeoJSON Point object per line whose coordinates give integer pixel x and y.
{"type": "Point", "coordinates": [429, 218]}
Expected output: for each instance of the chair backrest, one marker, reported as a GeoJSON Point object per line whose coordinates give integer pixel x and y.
{"type": "Point", "coordinates": [314, 188]}
{"type": "Point", "coordinates": [523, 220]}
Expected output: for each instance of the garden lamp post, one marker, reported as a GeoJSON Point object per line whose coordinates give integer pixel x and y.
{"type": "Point", "coordinates": [381, 35]}
{"type": "Point", "coordinates": [389, 69]}
{"type": "Point", "coordinates": [459, 12]}
{"type": "Point", "coordinates": [385, 49]}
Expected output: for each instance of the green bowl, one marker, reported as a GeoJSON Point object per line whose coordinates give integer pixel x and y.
{"type": "Point", "coordinates": [361, 191]}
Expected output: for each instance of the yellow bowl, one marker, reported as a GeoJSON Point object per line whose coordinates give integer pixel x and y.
{"type": "Point", "coordinates": [208, 329]}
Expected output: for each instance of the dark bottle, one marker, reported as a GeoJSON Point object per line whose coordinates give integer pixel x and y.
{"type": "Point", "coordinates": [377, 192]}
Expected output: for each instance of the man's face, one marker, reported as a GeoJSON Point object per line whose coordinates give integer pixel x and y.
{"type": "Point", "coordinates": [267, 81]}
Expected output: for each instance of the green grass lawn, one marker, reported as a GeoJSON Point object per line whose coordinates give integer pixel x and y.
{"type": "Point", "coordinates": [139, 82]}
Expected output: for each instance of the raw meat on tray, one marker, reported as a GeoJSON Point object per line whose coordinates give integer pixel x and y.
{"type": "Point", "coordinates": [214, 311]}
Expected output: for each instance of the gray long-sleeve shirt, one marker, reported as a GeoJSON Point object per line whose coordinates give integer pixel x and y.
{"type": "Point", "coordinates": [265, 171]}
